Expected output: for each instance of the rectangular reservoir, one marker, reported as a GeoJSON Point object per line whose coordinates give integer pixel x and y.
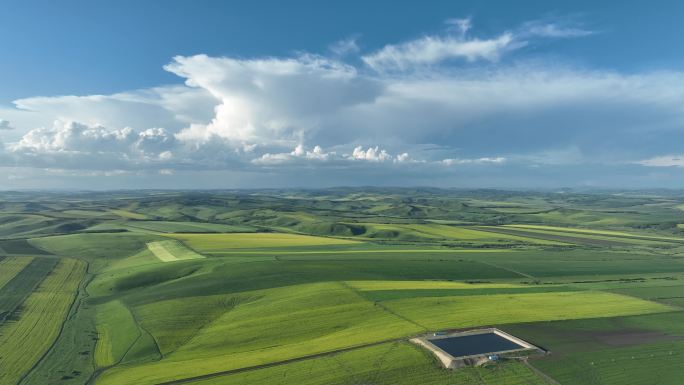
{"type": "Point", "coordinates": [475, 344]}
{"type": "Point", "coordinates": [474, 347]}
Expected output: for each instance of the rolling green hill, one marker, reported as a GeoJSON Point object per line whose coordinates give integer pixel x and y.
{"type": "Point", "coordinates": [310, 287]}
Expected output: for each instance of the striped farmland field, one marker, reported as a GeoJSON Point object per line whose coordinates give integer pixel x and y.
{"type": "Point", "coordinates": [15, 291]}
{"type": "Point", "coordinates": [10, 267]}
{"type": "Point", "coordinates": [24, 341]}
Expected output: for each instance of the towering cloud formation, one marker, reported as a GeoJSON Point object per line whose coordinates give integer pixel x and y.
{"type": "Point", "coordinates": [271, 101]}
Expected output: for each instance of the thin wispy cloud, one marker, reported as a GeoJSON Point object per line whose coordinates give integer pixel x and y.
{"type": "Point", "coordinates": [345, 47]}
{"type": "Point", "coordinates": [433, 49]}
{"type": "Point", "coordinates": [552, 29]}
{"type": "Point", "coordinates": [663, 161]}
{"type": "Point", "coordinates": [457, 43]}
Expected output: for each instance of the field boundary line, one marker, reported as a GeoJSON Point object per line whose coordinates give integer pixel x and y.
{"type": "Point", "coordinates": [77, 298]}
{"type": "Point", "coordinates": [96, 373]}
{"type": "Point", "coordinates": [541, 374]}
{"type": "Point", "coordinates": [625, 236]}
{"type": "Point", "coordinates": [389, 251]}
{"type": "Point", "coordinates": [8, 260]}
{"type": "Point", "coordinates": [275, 363]}
{"type": "Point", "coordinates": [130, 347]}
{"type": "Point", "coordinates": [36, 284]}
{"type": "Point", "coordinates": [567, 240]}
{"type": "Point", "coordinates": [140, 325]}
{"type": "Point", "coordinates": [383, 307]}
{"type": "Point", "coordinates": [507, 269]}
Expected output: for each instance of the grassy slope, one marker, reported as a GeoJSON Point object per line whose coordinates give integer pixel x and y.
{"type": "Point", "coordinates": [389, 364]}
{"type": "Point", "coordinates": [99, 249]}
{"type": "Point", "coordinates": [242, 329]}
{"type": "Point", "coordinates": [10, 267]}
{"type": "Point", "coordinates": [469, 311]}
{"type": "Point", "coordinates": [437, 232]}
{"type": "Point", "coordinates": [187, 227]}
{"type": "Point", "coordinates": [418, 285]}
{"type": "Point", "coordinates": [207, 314]}
{"type": "Point", "coordinates": [17, 225]}
{"type": "Point", "coordinates": [223, 275]}
{"type": "Point", "coordinates": [15, 291]}
{"type": "Point", "coordinates": [127, 214]}
{"type": "Point", "coordinates": [117, 332]}
{"type": "Point", "coordinates": [589, 264]}
{"type": "Point", "coordinates": [594, 239]}
{"type": "Point", "coordinates": [221, 242]}
{"type": "Point", "coordinates": [170, 251]}
{"type": "Point", "coordinates": [245, 333]}
{"type": "Point", "coordinates": [20, 247]}
{"type": "Point", "coordinates": [599, 232]}
{"type": "Point", "coordinates": [23, 342]}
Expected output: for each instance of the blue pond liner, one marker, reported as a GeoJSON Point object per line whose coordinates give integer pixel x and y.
{"type": "Point", "coordinates": [475, 344]}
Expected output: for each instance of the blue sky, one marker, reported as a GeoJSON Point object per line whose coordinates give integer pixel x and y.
{"type": "Point", "coordinates": [213, 94]}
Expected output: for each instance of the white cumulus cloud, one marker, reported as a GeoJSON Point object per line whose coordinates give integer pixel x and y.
{"type": "Point", "coordinates": [271, 101]}
{"type": "Point", "coordinates": [82, 146]}
{"type": "Point", "coordinates": [371, 154]}
{"type": "Point", "coordinates": [299, 153]}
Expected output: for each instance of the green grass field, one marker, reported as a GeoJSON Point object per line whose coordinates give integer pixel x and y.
{"type": "Point", "coordinates": [599, 232]}
{"type": "Point", "coordinates": [240, 330]}
{"type": "Point", "coordinates": [222, 242]}
{"type": "Point", "coordinates": [443, 233]}
{"type": "Point", "coordinates": [187, 227]}
{"type": "Point", "coordinates": [380, 285]}
{"type": "Point", "coordinates": [204, 338]}
{"type": "Point", "coordinates": [117, 332]}
{"type": "Point", "coordinates": [304, 287]}
{"type": "Point", "coordinates": [624, 350]}
{"type": "Point", "coordinates": [471, 311]}
{"type": "Point", "coordinates": [25, 340]}
{"type": "Point", "coordinates": [392, 363]}
{"type": "Point", "coordinates": [127, 214]}
{"type": "Point", "coordinates": [21, 285]}
{"type": "Point", "coordinates": [10, 267]}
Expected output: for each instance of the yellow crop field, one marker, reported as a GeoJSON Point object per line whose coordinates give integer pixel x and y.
{"type": "Point", "coordinates": [594, 232]}
{"type": "Point", "coordinates": [24, 341]}
{"type": "Point", "coordinates": [116, 330]}
{"type": "Point", "coordinates": [415, 285]}
{"type": "Point", "coordinates": [10, 267]}
{"type": "Point", "coordinates": [454, 233]}
{"type": "Point", "coordinates": [169, 251]}
{"type": "Point", "coordinates": [128, 214]}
